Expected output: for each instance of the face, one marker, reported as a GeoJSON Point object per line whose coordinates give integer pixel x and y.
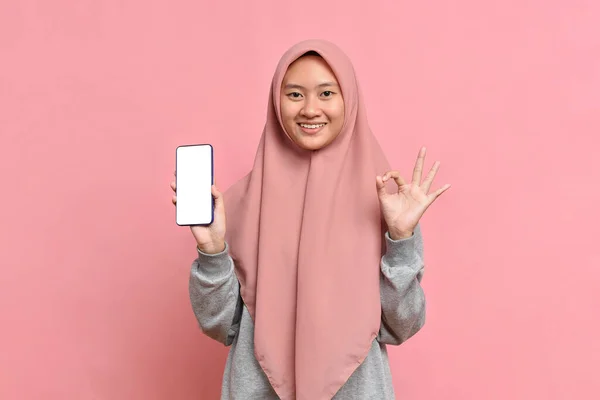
{"type": "Point", "coordinates": [312, 106]}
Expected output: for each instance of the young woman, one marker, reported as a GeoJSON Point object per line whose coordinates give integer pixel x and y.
{"type": "Point", "coordinates": [319, 264]}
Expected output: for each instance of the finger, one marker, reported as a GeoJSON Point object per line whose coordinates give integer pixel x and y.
{"type": "Point", "coordinates": [395, 175]}
{"type": "Point", "coordinates": [430, 176]}
{"type": "Point", "coordinates": [174, 200]}
{"type": "Point", "coordinates": [418, 170]}
{"type": "Point", "coordinates": [433, 196]}
{"type": "Point", "coordinates": [173, 186]}
{"type": "Point", "coordinates": [218, 196]}
{"type": "Point", "coordinates": [381, 191]}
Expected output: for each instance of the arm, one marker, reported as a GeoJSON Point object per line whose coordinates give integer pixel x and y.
{"type": "Point", "coordinates": [215, 295]}
{"type": "Point", "coordinates": [402, 297]}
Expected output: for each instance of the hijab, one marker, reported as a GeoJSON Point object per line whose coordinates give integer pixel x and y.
{"type": "Point", "coordinates": [306, 234]}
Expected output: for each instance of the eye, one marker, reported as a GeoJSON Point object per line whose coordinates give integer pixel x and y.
{"type": "Point", "coordinates": [294, 95]}
{"type": "Point", "coordinates": [327, 93]}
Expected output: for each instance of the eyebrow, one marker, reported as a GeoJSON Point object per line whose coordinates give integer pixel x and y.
{"type": "Point", "coordinates": [324, 84]}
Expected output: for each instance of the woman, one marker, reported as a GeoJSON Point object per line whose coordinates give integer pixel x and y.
{"type": "Point", "coordinates": [320, 265]}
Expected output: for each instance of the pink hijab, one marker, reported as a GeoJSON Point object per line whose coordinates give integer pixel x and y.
{"type": "Point", "coordinates": [306, 233]}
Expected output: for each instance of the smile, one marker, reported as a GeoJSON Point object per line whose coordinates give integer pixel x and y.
{"type": "Point", "coordinates": [311, 129]}
{"type": "Point", "coordinates": [312, 126]}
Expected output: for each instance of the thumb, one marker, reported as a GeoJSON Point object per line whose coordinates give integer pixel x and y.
{"type": "Point", "coordinates": [215, 193]}
{"type": "Point", "coordinates": [218, 196]}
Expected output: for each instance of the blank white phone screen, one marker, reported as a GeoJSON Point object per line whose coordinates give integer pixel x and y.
{"type": "Point", "coordinates": [194, 178]}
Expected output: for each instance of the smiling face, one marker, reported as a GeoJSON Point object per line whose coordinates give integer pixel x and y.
{"type": "Point", "coordinates": [312, 106]}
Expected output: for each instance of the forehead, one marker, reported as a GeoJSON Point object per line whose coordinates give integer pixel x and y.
{"type": "Point", "coordinates": [309, 68]}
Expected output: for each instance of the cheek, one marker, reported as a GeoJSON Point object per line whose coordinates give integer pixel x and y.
{"type": "Point", "coordinates": [288, 111]}
{"type": "Point", "coordinates": [336, 114]}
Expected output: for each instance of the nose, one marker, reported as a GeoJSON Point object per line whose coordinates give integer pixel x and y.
{"type": "Point", "coordinates": [311, 108]}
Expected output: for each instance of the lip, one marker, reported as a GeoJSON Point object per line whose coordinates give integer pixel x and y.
{"type": "Point", "coordinates": [312, 131]}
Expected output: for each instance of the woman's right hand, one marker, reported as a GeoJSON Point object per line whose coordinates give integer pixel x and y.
{"type": "Point", "coordinates": [210, 238]}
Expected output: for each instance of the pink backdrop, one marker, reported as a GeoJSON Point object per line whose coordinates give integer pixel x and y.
{"type": "Point", "coordinates": [96, 95]}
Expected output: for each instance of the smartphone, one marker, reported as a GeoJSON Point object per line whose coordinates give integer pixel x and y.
{"type": "Point", "coordinates": [193, 179]}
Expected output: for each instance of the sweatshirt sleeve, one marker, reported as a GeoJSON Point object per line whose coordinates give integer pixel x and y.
{"type": "Point", "coordinates": [215, 295]}
{"type": "Point", "coordinates": [402, 297]}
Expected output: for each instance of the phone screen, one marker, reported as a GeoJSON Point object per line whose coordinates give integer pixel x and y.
{"type": "Point", "coordinates": [193, 179]}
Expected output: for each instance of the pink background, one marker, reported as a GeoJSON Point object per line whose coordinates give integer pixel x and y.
{"type": "Point", "coordinates": [96, 95]}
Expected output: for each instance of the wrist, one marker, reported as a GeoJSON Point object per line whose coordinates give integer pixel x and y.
{"type": "Point", "coordinates": [399, 235]}
{"type": "Point", "coordinates": [212, 248]}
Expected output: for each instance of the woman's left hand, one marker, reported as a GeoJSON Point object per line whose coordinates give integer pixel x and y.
{"type": "Point", "coordinates": [403, 210]}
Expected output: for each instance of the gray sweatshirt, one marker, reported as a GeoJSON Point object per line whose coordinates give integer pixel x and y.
{"type": "Point", "coordinates": [222, 315]}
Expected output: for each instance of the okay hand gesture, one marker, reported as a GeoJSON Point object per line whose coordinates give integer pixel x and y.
{"type": "Point", "coordinates": [403, 210]}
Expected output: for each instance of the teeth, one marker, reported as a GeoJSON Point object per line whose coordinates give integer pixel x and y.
{"type": "Point", "coordinates": [311, 126]}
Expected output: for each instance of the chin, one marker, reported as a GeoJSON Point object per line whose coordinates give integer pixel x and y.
{"type": "Point", "coordinates": [311, 143]}
{"type": "Point", "coordinates": [311, 146]}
